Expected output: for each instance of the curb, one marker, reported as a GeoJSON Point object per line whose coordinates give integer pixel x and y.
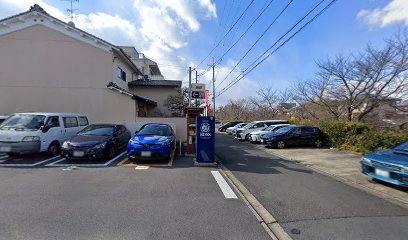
{"type": "Point", "coordinates": [265, 218]}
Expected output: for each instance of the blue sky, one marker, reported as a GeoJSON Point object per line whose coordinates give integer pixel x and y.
{"type": "Point", "coordinates": [180, 33]}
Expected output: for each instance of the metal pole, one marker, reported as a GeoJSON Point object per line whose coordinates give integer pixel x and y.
{"type": "Point", "coordinates": [213, 90]}
{"type": "Point", "coordinates": [189, 86]}
{"type": "Point", "coordinates": [196, 101]}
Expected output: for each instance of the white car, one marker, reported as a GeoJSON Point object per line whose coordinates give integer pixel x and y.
{"type": "Point", "coordinates": [2, 118]}
{"type": "Point", "coordinates": [231, 130]}
{"type": "Point", "coordinates": [255, 136]}
{"type": "Point", "coordinates": [39, 132]}
{"type": "Point", "coordinates": [218, 124]}
{"type": "Point", "coordinates": [243, 133]}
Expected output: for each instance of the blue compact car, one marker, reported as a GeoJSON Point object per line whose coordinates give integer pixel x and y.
{"type": "Point", "coordinates": [152, 141]}
{"type": "Point", "coordinates": [389, 165]}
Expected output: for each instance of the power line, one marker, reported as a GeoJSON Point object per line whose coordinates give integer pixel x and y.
{"type": "Point", "coordinates": [281, 45]}
{"type": "Point", "coordinates": [229, 30]}
{"type": "Point", "coordinates": [246, 31]}
{"type": "Point", "coordinates": [257, 40]}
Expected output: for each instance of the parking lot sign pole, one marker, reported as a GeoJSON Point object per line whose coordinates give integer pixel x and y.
{"type": "Point", "coordinates": [205, 141]}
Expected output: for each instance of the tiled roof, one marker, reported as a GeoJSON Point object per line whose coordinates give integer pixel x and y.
{"type": "Point", "coordinates": [157, 83]}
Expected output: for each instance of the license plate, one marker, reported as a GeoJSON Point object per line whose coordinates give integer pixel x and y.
{"type": "Point", "coordinates": [78, 154]}
{"type": "Point", "coordinates": [5, 149]}
{"type": "Point", "coordinates": [145, 154]}
{"type": "Point", "coordinates": [382, 173]}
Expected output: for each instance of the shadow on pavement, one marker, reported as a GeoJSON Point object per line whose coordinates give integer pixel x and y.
{"type": "Point", "coordinates": [239, 156]}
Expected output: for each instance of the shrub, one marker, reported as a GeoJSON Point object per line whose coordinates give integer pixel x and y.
{"type": "Point", "coordinates": [356, 137]}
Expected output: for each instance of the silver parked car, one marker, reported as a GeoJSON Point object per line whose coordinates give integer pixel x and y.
{"type": "Point", "coordinates": [255, 137]}
{"type": "Point", "coordinates": [232, 130]}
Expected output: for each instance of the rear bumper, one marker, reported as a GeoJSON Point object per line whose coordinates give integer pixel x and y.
{"type": "Point", "coordinates": [20, 147]}
{"type": "Point", "coordinates": [396, 178]}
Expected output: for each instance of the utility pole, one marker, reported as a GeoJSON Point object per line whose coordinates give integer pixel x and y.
{"type": "Point", "coordinates": [189, 88]}
{"type": "Point", "coordinates": [213, 70]}
{"type": "Point", "coordinates": [196, 101]}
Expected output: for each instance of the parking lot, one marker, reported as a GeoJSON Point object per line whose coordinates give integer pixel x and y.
{"type": "Point", "coordinates": [121, 200]}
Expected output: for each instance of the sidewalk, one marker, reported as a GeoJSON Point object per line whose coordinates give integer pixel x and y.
{"type": "Point", "coordinates": [343, 166]}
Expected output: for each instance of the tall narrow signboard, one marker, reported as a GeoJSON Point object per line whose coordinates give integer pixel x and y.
{"type": "Point", "coordinates": [205, 140]}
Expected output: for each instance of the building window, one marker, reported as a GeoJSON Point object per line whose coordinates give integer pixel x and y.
{"type": "Point", "coordinates": [121, 74]}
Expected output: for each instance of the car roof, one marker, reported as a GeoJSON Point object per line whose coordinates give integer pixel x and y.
{"type": "Point", "coordinates": [157, 124]}
{"type": "Point", "coordinates": [53, 114]}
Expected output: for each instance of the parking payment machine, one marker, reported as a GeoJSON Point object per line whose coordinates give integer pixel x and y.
{"type": "Point", "coordinates": [205, 140]}
{"type": "Point", "coordinates": [192, 113]}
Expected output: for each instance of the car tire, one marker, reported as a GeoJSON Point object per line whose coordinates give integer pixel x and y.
{"type": "Point", "coordinates": [281, 144]}
{"type": "Point", "coordinates": [111, 153]}
{"type": "Point", "coordinates": [53, 149]}
{"type": "Point", "coordinates": [247, 137]}
{"type": "Point", "coordinates": [318, 143]}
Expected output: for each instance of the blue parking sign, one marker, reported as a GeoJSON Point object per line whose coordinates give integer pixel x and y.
{"type": "Point", "coordinates": [205, 139]}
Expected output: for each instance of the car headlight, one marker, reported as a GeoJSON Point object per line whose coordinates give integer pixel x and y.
{"type": "Point", "coordinates": [366, 160]}
{"type": "Point", "coordinates": [131, 141]}
{"type": "Point", "coordinates": [65, 145]}
{"type": "Point", "coordinates": [31, 139]}
{"type": "Point", "coordinates": [100, 145]}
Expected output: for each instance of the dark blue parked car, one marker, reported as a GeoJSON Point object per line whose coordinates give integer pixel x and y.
{"type": "Point", "coordinates": [152, 141]}
{"type": "Point", "coordinates": [96, 141]}
{"type": "Point", "coordinates": [389, 165]}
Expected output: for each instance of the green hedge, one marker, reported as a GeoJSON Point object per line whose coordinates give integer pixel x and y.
{"type": "Point", "coordinates": [357, 137]}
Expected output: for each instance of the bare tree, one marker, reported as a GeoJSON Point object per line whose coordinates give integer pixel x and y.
{"type": "Point", "coordinates": [352, 87]}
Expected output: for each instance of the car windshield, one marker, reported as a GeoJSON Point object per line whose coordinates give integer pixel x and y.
{"type": "Point", "coordinates": [270, 128]}
{"type": "Point", "coordinates": [283, 130]}
{"type": "Point", "coordinates": [249, 125]}
{"type": "Point", "coordinates": [154, 129]}
{"type": "Point", "coordinates": [23, 122]}
{"type": "Point", "coordinates": [97, 130]}
{"type": "Point", "coordinates": [402, 147]}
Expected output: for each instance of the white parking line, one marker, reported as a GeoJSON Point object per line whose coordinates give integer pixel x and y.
{"type": "Point", "coordinates": [225, 188]}
{"type": "Point", "coordinates": [28, 165]}
{"type": "Point", "coordinates": [55, 164]}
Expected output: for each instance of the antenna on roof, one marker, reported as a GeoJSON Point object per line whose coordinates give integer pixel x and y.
{"type": "Point", "coordinates": [71, 10]}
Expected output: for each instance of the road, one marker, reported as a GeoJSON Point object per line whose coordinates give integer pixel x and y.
{"type": "Point", "coordinates": [119, 202]}
{"type": "Point", "coordinates": [309, 205]}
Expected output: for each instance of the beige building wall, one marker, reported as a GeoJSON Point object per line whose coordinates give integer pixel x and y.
{"type": "Point", "coordinates": [44, 70]}
{"type": "Point", "coordinates": [158, 94]}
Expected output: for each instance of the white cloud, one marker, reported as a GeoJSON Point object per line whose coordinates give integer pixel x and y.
{"type": "Point", "coordinates": [162, 27]}
{"type": "Point", "coordinates": [396, 11]}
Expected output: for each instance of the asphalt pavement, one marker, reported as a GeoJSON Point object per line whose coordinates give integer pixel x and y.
{"type": "Point", "coordinates": [120, 202]}
{"type": "Point", "coordinates": [309, 205]}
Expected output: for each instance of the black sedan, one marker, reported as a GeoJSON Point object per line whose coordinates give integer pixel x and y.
{"type": "Point", "coordinates": [96, 141]}
{"type": "Point", "coordinates": [224, 127]}
{"type": "Point", "coordinates": [294, 136]}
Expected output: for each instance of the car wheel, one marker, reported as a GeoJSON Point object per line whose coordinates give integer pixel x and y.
{"type": "Point", "coordinates": [247, 138]}
{"type": "Point", "coordinates": [281, 144]}
{"type": "Point", "coordinates": [318, 143]}
{"type": "Point", "coordinates": [53, 149]}
{"type": "Point", "coordinates": [111, 152]}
